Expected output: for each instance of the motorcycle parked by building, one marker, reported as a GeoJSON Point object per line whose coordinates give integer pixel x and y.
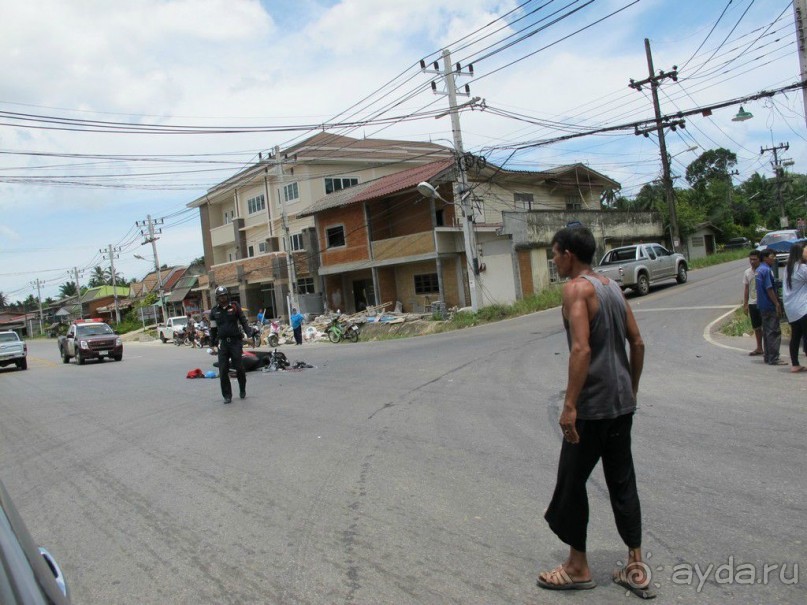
{"type": "Point", "coordinates": [338, 331]}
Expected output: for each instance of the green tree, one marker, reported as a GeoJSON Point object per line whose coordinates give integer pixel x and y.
{"type": "Point", "coordinates": [68, 288]}
{"type": "Point", "coordinates": [711, 165]}
{"type": "Point", "coordinates": [97, 277]}
{"type": "Point", "coordinates": [3, 301]}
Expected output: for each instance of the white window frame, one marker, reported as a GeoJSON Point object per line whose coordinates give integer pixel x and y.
{"type": "Point", "coordinates": [262, 247]}
{"type": "Point", "coordinates": [250, 251]}
{"type": "Point", "coordinates": [256, 204]}
{"type": "Point", "coordinates": [291, 192]}
{"type": "Point", "coordinates": [296, 242]}
{"type": "Point", "coordinates": [343, 182]}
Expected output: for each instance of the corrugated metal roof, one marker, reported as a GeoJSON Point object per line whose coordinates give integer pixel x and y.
{"type": "Point", "coordinates": [386, 185]}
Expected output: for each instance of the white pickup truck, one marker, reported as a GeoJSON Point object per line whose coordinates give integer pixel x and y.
{"type": "Point", "coordinates": [13, 350]}
{"type": "Point", "coordinates": [640, 265]}
{"type": "Point", "coordinates": [172, 324]}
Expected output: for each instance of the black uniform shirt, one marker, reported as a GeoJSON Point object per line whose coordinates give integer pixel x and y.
{"type": "Point", "coordinates": [224, 321]}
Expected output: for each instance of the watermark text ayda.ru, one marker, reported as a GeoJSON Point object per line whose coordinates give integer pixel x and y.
{"type": "Point", "coordinates": [731, 572]}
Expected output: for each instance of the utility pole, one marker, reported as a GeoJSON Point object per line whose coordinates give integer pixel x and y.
{"type": "Point", "coordinates": [39, 285]}
{"type": "Point", "coordinates": [75, 274]}
{"type": "Point", "coordinates": [800, 15]}
{"type": "Point", "coordinates": [112, 252]}
{"type": "Point", "coordinates": [779, 172]}
{"type": "Point", "coordinates": [286, 236]}
{"type": "Point", "coordinates": [151, 238]}
{"type": "Point", "coordinates": [462, 192]}
{"type": "Point", "coordinates": [661, 124]}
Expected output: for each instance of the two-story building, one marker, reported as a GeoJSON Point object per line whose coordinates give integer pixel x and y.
{"type": "Point", "coordinates": [382, 241]}
{"type": "Point", "coordinates": [246, 219]}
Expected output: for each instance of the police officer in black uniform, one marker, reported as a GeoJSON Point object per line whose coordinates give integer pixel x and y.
{"type": "Point", "coordinates": [226, 333]}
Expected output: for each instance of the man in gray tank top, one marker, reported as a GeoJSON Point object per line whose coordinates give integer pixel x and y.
{"type": "Point", "coordinates": [597, 416]}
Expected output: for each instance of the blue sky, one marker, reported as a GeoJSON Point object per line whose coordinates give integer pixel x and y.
{"type": "Point", "coordinates": [243, 62]}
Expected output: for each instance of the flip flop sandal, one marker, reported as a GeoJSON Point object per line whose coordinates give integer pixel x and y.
{"type": "Point", "coordinates": [754, 353]}
{"type": "Point", "coordinates": [563, 581]}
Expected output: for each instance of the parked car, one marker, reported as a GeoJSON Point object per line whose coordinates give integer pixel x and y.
{"type": "Point", "coordinates": [28, 575]}
{"type": "Point", "coordinates": [13, 350]}
{"type": "Point", "coordinates": [736, 243]}
{"type": "Point", "coordinates": [780, 241]}
{"type": "Point", "coordinates": [640, 265]}
{"type": "Point", "coordinates": [172, 324]}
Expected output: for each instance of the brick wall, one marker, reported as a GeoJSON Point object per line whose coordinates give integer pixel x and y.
{"type": "Point", "coordinates": [352, 219]}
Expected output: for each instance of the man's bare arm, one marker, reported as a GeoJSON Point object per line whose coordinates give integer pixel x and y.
{"type": "Point", "coordinates": [636, 345]}
{"type": "Point", "coordinates": [575, 305]}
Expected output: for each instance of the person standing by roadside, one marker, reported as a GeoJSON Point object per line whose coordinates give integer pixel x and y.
{"type": "Point", "coordinates": [296, 321]}
{"type": "Point", "coordinates": [225, 332]}
{"type": "Point", "coordinates": [597, 416]}
{"type": "Point", "coordinates": [261, 315]}
{"type": "Point", "coordinates": [750, 299]}
{"type": "Point", "coordinates": [794, 292]}
{"type": "Point", "coordinates": [769, 308]}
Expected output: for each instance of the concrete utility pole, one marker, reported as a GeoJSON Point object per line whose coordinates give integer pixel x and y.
{"type": "Point", "coordinates": [800, 15]}
{"type": "Point", "coordinates": [151, 238]}
{"type": "Point", "coordinates": [112, 252]}
{"type": "Point", "coordinates": [286, 236]}
{"type": "Point", "coordinates": [38, 285]}
{"type": "Point", "coordinates": [661, 124]}
{"type": "Point", "coordinates": [779, 172]}
{"type": "Point", "coordinates": [462, 193]}
{"type": "Point", "coordinates": [78, 292]}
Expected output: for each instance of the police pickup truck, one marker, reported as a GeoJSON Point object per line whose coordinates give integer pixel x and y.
{"type": "Point", "coordinates": [13, 350]}
{"type": "Point", "coordinates": [640, 265]}
{"type": "Point", "coordinates": [90, 339]}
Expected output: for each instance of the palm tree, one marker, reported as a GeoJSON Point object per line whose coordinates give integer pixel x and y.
{"type": "Point", "coordinates": [3, 301]}
{"type": "Point", "coordinates": [68, 288]}
{"type": "Point", "coordinates": [119, 279]}
{"type": "Point", "coordinates": [98, 277]}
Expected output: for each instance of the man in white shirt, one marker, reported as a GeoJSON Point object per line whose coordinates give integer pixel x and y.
{"type": "Point", "coordinates": [750, 299]}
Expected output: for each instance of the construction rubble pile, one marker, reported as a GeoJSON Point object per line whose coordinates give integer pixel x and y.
{"type": "Point", "coordinates": [370, 318]}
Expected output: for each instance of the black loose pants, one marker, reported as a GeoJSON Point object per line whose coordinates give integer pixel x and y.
{"type": "Point", "coordinates": [567, 514]}
{"type": "Point", "coordinates": [230, 352]}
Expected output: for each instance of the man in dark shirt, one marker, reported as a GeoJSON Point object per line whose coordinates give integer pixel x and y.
{"type": "Point", "coordinates": [225, 332]}
{"type": "Point", "coordinates": [597, 416]}
{"type": "Point", "coordinates": [769, 308]}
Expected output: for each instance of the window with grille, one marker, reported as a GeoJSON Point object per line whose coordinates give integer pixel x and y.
{"type": "Point", "coordinates": [573, 202]}
{"type": "Point", "coordinates": [427, 284]}
{"type": "Point", "coordinates": [305, 285]}
{"type": "Point", "coordinates": [554, 276]}
{"type": "Point", "coordinates": [339, 183]}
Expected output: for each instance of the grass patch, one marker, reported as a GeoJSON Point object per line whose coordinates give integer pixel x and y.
{"type": "Point", "coordinates": [718, 258]}
{"type": "Point", "coordinates": [547, 298]}
{"type": "Point", "coordinates": [739, 324]}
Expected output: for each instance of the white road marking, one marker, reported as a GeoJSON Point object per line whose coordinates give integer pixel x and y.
{"type": "Point", "coordinates": [668, 309]}
{"type": "Point", "coordinates": [707, 332]}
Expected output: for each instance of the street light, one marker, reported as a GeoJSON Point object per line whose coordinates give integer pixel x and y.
{"type": "Point", "coordinates": [693, 148]}
{"type": "Point", "coordinates": [742, 115]}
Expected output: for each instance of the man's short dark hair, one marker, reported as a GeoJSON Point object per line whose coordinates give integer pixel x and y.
{"type": "Point", "coordinates": [577, 240]}
{"type": "Point", "coordinates": [763, 254]}
{"type": "Point", "coordinates": [754, 253]}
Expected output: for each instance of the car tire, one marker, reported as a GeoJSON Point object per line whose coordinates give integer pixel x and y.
{"type": "Point", "coordinates": [681, 276]}
{"type": "Point", "coordinates": [642, 285]}
{"type": "Point", "coordinates": [79, 358]}
{"type": "Point", "coordinates": [118, 357]}
{"type": "Point", "coordinates": [163, 338]}
{"type": "Point", "coordinates": [23, 363]}
{"type": "Point", "coordinates": [65, 357]}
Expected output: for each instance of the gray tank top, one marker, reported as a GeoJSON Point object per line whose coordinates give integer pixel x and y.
{"type": "Point", "coordinates": [607, 392]}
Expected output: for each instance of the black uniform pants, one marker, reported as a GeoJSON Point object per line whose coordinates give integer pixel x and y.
{"type": "Point", "coordinates": [230, 350]}
{"type": "Point", "coordinates": [567, 514]}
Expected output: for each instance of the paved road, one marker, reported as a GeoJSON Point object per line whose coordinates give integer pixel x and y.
{"type": "Point", "coordinates": [409, 471]}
